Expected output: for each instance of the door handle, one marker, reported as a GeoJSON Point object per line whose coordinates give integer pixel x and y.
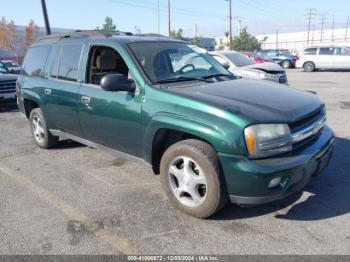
{"type": "Point", "coordinates": [47, 91]}
{"type": "Point", "coordinates": [85, 99]}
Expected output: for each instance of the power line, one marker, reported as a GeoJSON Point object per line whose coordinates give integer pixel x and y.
{"type": "Point", "coordinates": [162, 8]}
{"type": "Point", "coordinates": [258, 8]}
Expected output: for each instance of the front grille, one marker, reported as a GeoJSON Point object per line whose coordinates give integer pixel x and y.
{"type": "Point", "coordinates": [7, 87]}
{"type": "Point", "coordinates": [307, 128]}
{"type": "Point", "coordinates": [307, 120]}
{"type": "Point", "coordinates": [273, 72]}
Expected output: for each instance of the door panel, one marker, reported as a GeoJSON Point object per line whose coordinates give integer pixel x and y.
{"type": "Point", "coordinates": [61, 106]}
{"type": "Point", "coordinates": [111, 119]}
{"type": "Point", "coordinates": [325, 57]}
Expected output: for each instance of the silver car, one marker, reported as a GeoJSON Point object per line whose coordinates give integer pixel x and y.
{"type": "Point", "coordinates": [241, 65]}
{"type": "Point", "coordinates": [324, 57]}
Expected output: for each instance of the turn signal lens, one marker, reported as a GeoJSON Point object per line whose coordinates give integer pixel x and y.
{"type": "Point", "coordinates": [250, 140]}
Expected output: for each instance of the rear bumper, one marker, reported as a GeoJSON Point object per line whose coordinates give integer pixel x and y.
{"type": "Point", "coordinates": [248, 180]}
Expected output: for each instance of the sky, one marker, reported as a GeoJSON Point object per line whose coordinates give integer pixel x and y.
{"type": "Point", "coordinates": [211, 16]}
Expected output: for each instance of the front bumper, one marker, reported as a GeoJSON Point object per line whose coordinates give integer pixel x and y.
{"type": "Point", "coordinates": [8, 98]}
{"type": "Point", "coordinates": [248, 180]}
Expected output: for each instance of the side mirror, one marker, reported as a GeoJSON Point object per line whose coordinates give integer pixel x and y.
{"type": "Point", "coordinates": [117, 82]}
{"type": "Point", "coordinates": [226, 65]}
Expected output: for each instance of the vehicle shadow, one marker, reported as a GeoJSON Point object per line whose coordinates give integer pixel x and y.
{"type": "Point", "coordinates": [67, 144]}
{"type": "Point", "coordinates": [329, 195]}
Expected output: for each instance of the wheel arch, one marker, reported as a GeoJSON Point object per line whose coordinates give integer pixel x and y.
{"type": "Point", "coordinates": [167, 129]}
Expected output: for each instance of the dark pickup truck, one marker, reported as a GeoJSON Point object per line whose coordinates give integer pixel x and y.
{"type": "Point", "coordinates": [7, 86]}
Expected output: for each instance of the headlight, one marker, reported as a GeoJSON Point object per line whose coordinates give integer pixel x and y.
{"type": "Point", "coordinates": [262, 75]}
{"type": "Point", "coordinates": [265, 140]}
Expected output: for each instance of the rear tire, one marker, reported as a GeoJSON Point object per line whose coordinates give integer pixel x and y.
{"type": "Point", "coordinates": [192, 179]}
{"type": "Point", "coordinates": [42, 136]}
{"type": "Point", "coordinates": [286, 64]}
{"type": "Point", "coordinates": [309, 67]}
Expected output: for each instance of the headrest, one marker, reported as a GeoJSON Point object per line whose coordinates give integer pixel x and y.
{"type": "Point", "coordinates": [106, 62]}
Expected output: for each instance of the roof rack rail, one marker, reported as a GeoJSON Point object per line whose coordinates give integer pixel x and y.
{"type": "Point", "coordinates": [151, 35]}
{"type": "Point", "coordinates": [82, 33]}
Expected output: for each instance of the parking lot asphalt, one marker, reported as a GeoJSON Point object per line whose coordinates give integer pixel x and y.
{"type": "Point", "coordinates": [77, 200]}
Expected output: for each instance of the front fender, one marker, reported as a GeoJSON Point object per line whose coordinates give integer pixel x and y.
{"type": "Point", "coordinates": [205, 130]}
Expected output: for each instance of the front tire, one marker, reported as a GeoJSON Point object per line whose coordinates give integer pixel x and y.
{"type": "Point", "coordinates": [309, 67]}
{"type": "Point", "coordinates": [192, 179]}
{"type": "Point", "coordinates": [42, 136]}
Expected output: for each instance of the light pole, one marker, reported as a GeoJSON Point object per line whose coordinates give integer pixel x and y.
{"type": "Point", "coordinates": [230, 23]}
{"type": "Point", "coordinates": [169, 19]}
{"type": "Point", "coordinates": [158, 17]}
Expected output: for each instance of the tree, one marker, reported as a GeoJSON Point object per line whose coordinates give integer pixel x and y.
{"type": "Point", "coordinates": [12, 37]}
{"type": "Point", "coordinates": [3, 34]}
{"type": "Point", "coordinates": [109, 26]}
{"type": "Point", "coordinates": [30, 33]}
{"type": "Point", "coordinates": [196, 41]}
{"type": "Point", "coordinates": [177, 34]}
{"type": "Point", "coordinates": [246, 41]}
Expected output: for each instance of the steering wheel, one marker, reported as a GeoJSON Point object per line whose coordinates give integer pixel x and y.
{"type": "Point", "coordinates": [185, 66]}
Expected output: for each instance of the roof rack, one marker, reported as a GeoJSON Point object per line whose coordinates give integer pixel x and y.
{"type": "Point", "coordinates": [151, 35]}
{"type": "Point", "coordinates": [83, 33]}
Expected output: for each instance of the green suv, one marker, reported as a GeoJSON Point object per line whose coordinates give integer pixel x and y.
{"type": "Point", "coordinates": [211, 136]}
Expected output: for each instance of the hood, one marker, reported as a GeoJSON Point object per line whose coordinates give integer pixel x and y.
{"type": "Point", "coordinates": [255, 101]}
{"type": "Point", "coordinates": [266, 67]}
{"type": "Point", "coordinates": [7, 77]}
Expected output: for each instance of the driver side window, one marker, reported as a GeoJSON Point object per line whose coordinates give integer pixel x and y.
{"type": "Point", "coordinates": [104, 61]}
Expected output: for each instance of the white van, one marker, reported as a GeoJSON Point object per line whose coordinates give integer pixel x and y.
{"type": "Point", "coordinates": [324, 57]}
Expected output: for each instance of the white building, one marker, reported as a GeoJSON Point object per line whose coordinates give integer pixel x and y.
{"type": "Point", "coordinates": [296, 40]}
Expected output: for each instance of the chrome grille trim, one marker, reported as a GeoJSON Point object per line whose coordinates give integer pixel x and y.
{"type": "Point", "coordinates": [309, 131]}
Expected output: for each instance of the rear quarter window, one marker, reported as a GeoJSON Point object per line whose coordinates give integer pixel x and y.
{"type": "Point", "coordinates": [326, 51]}
{"type": "Point", "coordinates": [69, 62]}
{"type": "Point", "coordinates": [35, 60]}
{"type": "Point", "coordinates": [310, 51]}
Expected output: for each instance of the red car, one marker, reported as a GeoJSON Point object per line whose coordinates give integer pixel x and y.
{"type": "Point", "coordinates": [256, 57]}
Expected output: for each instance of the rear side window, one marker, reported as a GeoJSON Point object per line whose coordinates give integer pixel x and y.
{"type": "Point", "coordinates": [310, 51]}
{"type": "Point", "coordinates": [35, 61]}
{"type": "Point", "coordinates": [69, 62]}
{"type": "Point", "coordinates": [326, 51]}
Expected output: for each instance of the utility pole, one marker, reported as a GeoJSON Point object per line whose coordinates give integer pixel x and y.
{"type": "Point", "coordinates": [346, 30]}
{"type": "Point", "coordinates": [230, 24]}
{"type": "Point", "coordinates": [169, 19]}
{"type": "Point", "coordinates": [158, 17]}
{"type": "Point", "coordinates": [322, 25]}
{"type": "Point", "coordinates": [333, 29]}
{"type": "Point", "coordinates": [239, 24]}
{"type": "Point", "coordinates": [310, 16]}
{"type": "Point", "coordinates": [46, 17]}
{"type": "Point", "coordinates": [277, 38]}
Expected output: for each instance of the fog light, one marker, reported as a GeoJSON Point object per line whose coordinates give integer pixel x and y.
{"type": "Point", "coordinates": [274, 182]}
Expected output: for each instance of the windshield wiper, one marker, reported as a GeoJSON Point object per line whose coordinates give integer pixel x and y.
{"type": "Point", "coordinates": [182, 78]}
{"type": "Point", "coordinates": [217, 75]}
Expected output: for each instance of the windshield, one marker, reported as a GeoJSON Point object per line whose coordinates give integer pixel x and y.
{"type": "Point", "coordinates": [11, 64]}
{"type": "Point", "coordinates": [239, 59]}
{"type": "Point", "coordinates": [171, 60]}
{"type": "Point", "coordinates": [3, 69]}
